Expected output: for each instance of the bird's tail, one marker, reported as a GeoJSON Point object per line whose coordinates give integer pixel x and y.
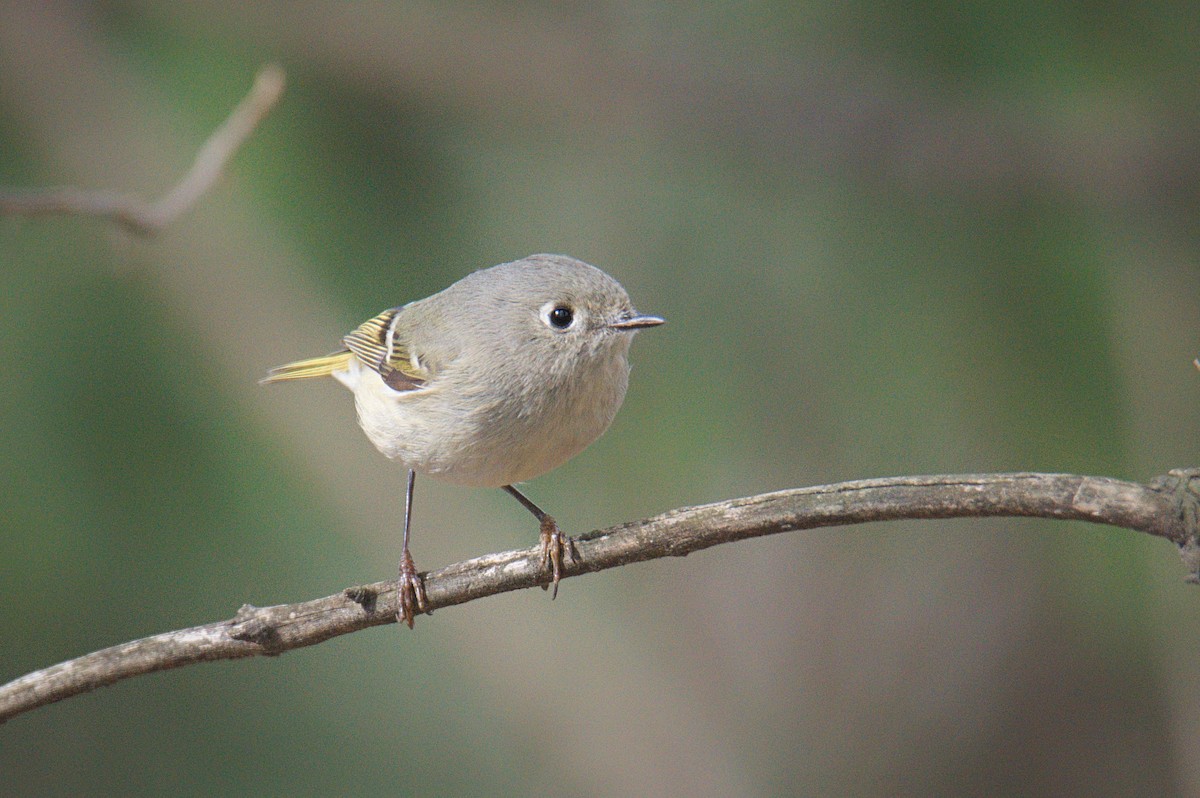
{"type": "Point", "coordinates": [313, 367]}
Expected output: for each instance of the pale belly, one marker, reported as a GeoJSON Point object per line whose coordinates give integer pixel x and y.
{"type": "Point", "coordinates": [466, 440]}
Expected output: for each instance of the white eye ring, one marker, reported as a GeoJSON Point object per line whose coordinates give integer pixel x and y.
{"type": "Point", "coordinates": [558, 316]}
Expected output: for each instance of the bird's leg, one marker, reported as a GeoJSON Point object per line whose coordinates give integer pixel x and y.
{"type": "Point", "coordinates": [554, 542]}
{"type": "Point", "coordinates": [410, 588]}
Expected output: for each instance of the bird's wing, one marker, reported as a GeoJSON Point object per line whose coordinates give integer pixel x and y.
{"type": "Point", "coordinates": [375, 344]}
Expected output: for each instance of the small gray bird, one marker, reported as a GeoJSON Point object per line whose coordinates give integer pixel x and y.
{"type": "Point", "coordinates": [499, 378]}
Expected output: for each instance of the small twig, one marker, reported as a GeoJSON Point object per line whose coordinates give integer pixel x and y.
{"type": "Point", "coordinates": [1167, 508]}
{"type": "Point", "coordinates": [148, 218]}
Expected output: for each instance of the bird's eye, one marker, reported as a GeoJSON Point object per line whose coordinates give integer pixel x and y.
{"type": "Point", "coordinates": [560, 317]}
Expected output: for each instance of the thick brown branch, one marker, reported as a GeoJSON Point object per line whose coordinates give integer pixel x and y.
{"type": "Point", "coordinates": [1167, 508]}
{"type": "Point", "coordinates": [147, 218]}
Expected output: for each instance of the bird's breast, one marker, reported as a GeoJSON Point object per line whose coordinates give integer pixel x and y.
{"type": "Point", "coordinates": [488, 432]}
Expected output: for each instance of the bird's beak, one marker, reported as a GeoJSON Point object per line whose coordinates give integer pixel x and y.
{"type": "Point", "coordinates": [636, 322]}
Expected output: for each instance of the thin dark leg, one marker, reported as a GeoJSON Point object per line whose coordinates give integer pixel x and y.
{"type": "Point", "coordinates": [554, 542]}
{"type": "Point", "coordinates": [538, 512]}
{"type": "Point", "coordinates": [408, 497]}
{"type": "Point", "coordinates": [410, 589]}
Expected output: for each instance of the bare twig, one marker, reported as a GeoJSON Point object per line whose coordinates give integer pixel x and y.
{"type": "Point", "coordinates": [1168, 508]}
{"type": "Point", "coordinates": [148, 218]}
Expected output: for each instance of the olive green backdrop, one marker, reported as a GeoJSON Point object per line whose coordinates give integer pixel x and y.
{"type": "Point", "coordinates": [889, 238]}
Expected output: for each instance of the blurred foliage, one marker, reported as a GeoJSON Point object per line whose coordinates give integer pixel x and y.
{"type": "Point", "coordinates": [889, 238]}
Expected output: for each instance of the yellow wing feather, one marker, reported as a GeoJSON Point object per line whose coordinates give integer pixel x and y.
{"type": "Point", "coordinates": [371, 342]}
{"type": "Point", "coordinates": [375, 344]}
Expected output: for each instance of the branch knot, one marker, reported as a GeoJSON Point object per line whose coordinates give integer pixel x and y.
{"type": "Point", "coordinates": [1181, 487]}
{"type": "Point", "coordinates": [251, 625]}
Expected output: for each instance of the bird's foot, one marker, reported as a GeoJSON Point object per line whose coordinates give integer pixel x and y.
{"type": "Point", "coordinates": [555, 546]}
{"type": "Point", "coordinates": [410, 591]}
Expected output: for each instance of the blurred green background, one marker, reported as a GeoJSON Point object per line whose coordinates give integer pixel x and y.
{"type": "Point", "coordinates": [890, 238]}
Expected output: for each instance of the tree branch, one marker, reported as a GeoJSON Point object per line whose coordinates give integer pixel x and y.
{"type": "Point", "coordinates": [1167, 508]}
{"type": "Point", "coordinates": [146, 218]}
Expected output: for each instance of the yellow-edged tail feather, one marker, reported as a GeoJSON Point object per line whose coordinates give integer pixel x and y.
{"type": "Point", "coordinates": [304, 369]}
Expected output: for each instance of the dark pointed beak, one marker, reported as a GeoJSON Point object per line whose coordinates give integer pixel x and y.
{"type": "Point", "coordinates": [636, 322]}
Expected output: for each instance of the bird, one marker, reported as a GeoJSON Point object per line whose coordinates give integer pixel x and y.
{"type": "Point", "coordinates": [497, 379]}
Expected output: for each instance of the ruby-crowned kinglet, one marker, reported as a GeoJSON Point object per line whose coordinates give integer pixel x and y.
{"type": "Point", "coordinates": [501, 377]}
